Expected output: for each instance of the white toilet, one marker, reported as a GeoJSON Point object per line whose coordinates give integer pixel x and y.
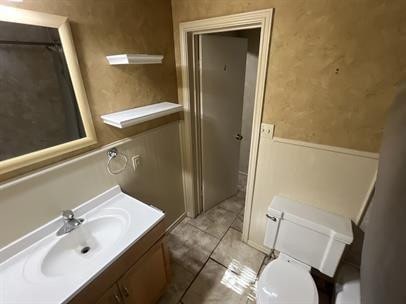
{"type": "Point", "coordinates": [305, 237]}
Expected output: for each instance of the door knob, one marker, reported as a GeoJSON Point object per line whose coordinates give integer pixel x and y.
{"type": "Point", "coordinates": [238, 137]}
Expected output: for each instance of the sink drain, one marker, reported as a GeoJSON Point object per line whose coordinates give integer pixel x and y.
{"type": "Point", "coordinates": [85, 250]}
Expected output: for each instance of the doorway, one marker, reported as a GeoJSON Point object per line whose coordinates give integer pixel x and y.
{"type": "Point", "coordinates": [225, 74]}
{"type": "Point", "coordinates": [205, 187]}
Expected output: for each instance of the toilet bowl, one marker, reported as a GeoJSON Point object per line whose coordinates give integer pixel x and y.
{"type": "Point", "coordinates": [283, 281]}
{"type": "Point", "coordinates": [347, 285]}
{"type": "Point", "coordinates": [306, 237]}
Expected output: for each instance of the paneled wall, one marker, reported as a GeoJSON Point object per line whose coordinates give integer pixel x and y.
{"type": "Point", "coordinates": [334, 179]}
{"type": "Point", "coordinates": [35, 199]}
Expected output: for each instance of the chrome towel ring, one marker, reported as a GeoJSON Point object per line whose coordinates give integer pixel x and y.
{"type": "Point", "coordinates": [114, 154]}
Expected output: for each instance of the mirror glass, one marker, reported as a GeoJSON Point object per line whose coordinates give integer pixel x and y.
{"type": "Point", "coordinates": [38, 105]}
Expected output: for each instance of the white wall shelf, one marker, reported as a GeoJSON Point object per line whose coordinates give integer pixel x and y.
{"type": "Point", "coordinates": [134, 59]}
{"type": "Point", "coordinates": [127, 118]}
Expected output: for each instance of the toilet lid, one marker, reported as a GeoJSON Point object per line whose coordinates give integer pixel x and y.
{"type": "Point", "coordinates": [282, 282]}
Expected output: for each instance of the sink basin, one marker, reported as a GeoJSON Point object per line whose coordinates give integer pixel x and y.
{"type": "Point", "coordinates": [42, 267]}
{"type": "Point", "coordinates": [74, 250]}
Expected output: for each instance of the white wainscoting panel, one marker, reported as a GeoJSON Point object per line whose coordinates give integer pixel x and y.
{"type": "Point", "coordinates": [31, 201]}
{"type": "Point", "coordinates": [334, 179]}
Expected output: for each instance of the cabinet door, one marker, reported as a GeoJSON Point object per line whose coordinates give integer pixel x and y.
{"type": "Point", "coordinates": [146, 281]}
{"type": "Point", "coordinates": [112, 296]}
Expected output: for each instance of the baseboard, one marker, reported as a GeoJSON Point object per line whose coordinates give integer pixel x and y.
{"type": "Point", "coordinates": [261, 248]}
{"type": "Point", "coordinates": [176, 222]}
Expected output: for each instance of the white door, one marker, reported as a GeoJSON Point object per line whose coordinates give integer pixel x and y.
{"type": "Point", "coordinates": [222, 75]}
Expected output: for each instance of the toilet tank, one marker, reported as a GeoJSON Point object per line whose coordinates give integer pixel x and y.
{"type": "Point", "coordinates": [308, 234]}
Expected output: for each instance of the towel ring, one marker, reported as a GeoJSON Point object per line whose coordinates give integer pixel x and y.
{"type": "Point", "coordinates": [112, 154]}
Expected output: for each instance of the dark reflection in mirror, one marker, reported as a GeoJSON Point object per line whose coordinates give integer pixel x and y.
{"type": "Point", "coordinates": [38, 107]}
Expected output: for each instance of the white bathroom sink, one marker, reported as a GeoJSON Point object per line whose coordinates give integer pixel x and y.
{"type": "Point", "coordinates": [43, 267]}
{"type": "Point", "coordinates": [74, 250]}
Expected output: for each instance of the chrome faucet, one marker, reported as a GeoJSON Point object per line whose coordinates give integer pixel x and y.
{"type": "Point", "coordinates": [70, 222]}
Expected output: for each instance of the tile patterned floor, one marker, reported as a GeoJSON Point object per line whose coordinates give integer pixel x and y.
{"type": "Point", "coordinates": [210, 263]}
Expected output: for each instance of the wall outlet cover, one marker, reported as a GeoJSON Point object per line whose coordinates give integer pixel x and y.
{"type": "Point", "coordinates": [267, 130]}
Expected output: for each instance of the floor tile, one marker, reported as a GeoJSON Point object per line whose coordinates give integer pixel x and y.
{"type": "Point", "coordinates": [190, 246]}
{"type": "Point", "coordinates": [267, 260]}
{"type": "Point", "coordinates": [215, 221]}
{"type": "Point", "coordinates": [238, 222]}
{"type": "Point", "coordinates": [222, 270]}
{"type": "Point", "coordinates": [234, 204]}
{"type": "Point", "coordinates": [242, 181]}
{"type": "Point", "coordinates": [217, 284]}
{"type": "Point", "coordinates": [235, 254]}
{"type": "Point", "coordinates": [180, 281]}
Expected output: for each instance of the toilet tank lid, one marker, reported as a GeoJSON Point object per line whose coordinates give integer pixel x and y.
{"type": "Point", "coordinates": [334, 225]}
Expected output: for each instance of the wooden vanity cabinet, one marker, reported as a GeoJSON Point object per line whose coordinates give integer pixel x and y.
{"type": "Point", "coordinates": [139, 276]}
{"type": "Point", "coordinates": [112, 296]}
{"type": "Point", "coordinates": [146, 281]}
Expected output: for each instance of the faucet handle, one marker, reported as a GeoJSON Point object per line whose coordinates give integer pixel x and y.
{"type": "Point", "coordinates": [67, 215]}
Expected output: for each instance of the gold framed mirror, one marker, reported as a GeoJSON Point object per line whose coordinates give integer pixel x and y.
{"type": "Point", "coordinates": [44, 112]}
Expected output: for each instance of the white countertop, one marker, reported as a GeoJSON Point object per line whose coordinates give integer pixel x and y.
{"type": "Point", "coordinates": [24, 278]}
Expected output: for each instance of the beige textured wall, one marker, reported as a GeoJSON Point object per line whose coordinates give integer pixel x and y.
{"type": "Point", "coordinates": [333, 68]}
{"type": "Point", "coordinates": [103, 27]}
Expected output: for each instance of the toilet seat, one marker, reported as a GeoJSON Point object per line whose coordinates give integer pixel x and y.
{"type": "Point", "coordinates": [283, 282]}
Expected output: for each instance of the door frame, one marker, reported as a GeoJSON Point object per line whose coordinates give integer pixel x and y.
{"type": "Point", "coordinates": [261, 19]}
